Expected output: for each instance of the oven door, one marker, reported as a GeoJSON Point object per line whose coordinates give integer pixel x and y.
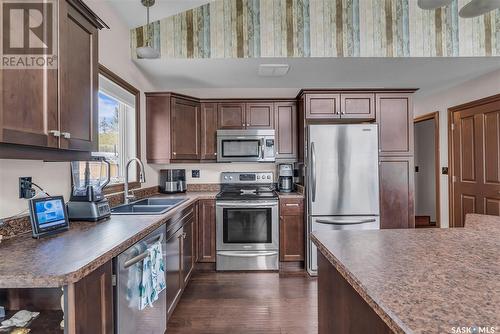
{"type": "Point", "coordinates": [247, 225]}
{"type": "Point", "coordinates": [239, 148]}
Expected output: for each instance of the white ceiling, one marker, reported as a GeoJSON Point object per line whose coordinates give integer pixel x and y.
{"type": "Point", "coordinates": [232, 77]}
{"type": "Point", "coordinates": [133, 13]}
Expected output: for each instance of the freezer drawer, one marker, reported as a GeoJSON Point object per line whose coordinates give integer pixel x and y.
{"type": "Point", "coordinates": [329, 223]}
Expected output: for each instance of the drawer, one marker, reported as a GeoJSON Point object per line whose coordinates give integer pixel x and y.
{"type": "Point", "coordinates": [291, 206]}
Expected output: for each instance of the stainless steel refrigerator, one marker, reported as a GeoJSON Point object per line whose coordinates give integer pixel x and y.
{"type": "Point", "coordinates": [342, 180]}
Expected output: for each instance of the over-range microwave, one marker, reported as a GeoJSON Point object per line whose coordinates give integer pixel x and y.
{"type": "Point", "coordinates": [246, 146]}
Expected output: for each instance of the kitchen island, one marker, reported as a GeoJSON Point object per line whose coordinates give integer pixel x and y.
{"type": "Point", "coordinates": [410, 281]}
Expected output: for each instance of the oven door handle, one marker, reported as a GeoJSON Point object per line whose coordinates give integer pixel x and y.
{"type": "Point", "coordinates": [246, 204]}
{"type": "Point", "coordinates": [231, 254]}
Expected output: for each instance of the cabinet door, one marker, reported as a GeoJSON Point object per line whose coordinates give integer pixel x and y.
{"type": "Point", "coordinates": [286, 130]}
{"type": "Point", "coordinates": [209, 131]}
{"type": "Point", "coordinates": [188, 250]}
{"type": "Point", "coordinates": [395, 122]}
{"type": "Point", "coordinates": [93, 302]}
{"type": "Point", "coordinates": [396, 192]}
{"type": "Point", "coordinates": [357, 106]}
{"type": "Point", "coordinates": [29, 99]}
{"type": "Point", "coordinates": [231, 115]}
{"type": "Point", "coordinates": [174, 270]}
{"type": "Point", "coordinates": [259, 115]}
{"type": "Point", "coordinates": [79, 81]}
{"type": "Point", "coordinates": [206, 231]}
{"type": "Point", "coordinates": [185, 130]}
{"type": "Point", "coordinates": [157, 122]}
{"type": "Point", "coordinates": [322, 106]}
{"type": "Point", "coordinates": [292, 238]}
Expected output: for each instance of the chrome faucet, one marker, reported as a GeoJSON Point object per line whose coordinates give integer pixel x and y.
{"type": "Point", "coordinates": [142, 178]}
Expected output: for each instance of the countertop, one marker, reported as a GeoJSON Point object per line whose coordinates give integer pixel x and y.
{"type": "Point", "coordinates": [422, 280]}
{"type": "Point", "coordinates": [69, 256]}
{"type": "Point", "coordinates": [293, 194]}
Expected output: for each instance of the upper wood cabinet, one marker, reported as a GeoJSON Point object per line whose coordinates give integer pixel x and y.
{"type": "Point", "coordinates": [56, 108]}
{"type": "Point", "coordinates": [158, 127]}
{"type": "Point", "coordinates": [395, 121]}
{"type": "Point", "coordinates": [286, 129]}
{"type": "Point", "coordinates": [208, 131]}
{"type": "Point", "coordinates": [322, 106]}
{"type": "Point", "coordinates": [259, 115]}
{"type": "Point", "coordinates": [185, 129]}
{"type": "Point", "coordinates": [359, 106]}
{"type": "Point", "coordinates": [231, 115]}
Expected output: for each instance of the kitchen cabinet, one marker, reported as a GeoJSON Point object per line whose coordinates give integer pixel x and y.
{"type": "Point", "coordinates": [188, 249]}
{"type": "Point", "coordinates": [185, 129]}
{"type": "Point", "coordinates": [259, 115]}
{"type": "Point", "coordinates": [55, 108]}
{"type": "Point", "coordinates": [357, 106]}
{"type": "Point", "coordinates": [396, 192]}
{"type": "Point", "coordinates": [395, 122]}
{"type": "Point", "coordinates": [158, 128]}
{"type": "Point", "coordinates": [231, 115]}
{"type": "Point", "coordinates": [206, 231]}
{"type": "Point", "coordinates": [208, 131]}
{"type": "Point", "coordinates": [173, 270]}
{"type": "Point", "coordinates": [292, 229]}
{"type": "Point", "coordinates": [322, 106]}
{"type": "Point", "coordinates": [92, 302]}
{"type": "Point", "coordinates": [286, 130]}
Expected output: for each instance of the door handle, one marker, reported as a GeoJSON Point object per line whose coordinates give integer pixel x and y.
{"type": "Point", "coordinates": [345, 221]}
{"type": "Point", "coordinates": [55, 133]}
{"type": "Point", "coordinates": [230, 254]}
{"type": "Point", "coordinates": [66, 135]}
{"type": "Point", "coordinates": [313, 172]}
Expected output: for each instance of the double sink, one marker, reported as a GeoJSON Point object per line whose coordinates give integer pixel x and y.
{"type": "Point", "coordinates": [148, 206]}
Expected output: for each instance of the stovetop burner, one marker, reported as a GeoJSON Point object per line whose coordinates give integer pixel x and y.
{"type": "Point", "coordinates": [247, 186]}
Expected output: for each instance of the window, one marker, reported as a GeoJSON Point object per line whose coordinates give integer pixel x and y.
{"type": "Point", "coordinates": [118, 122]}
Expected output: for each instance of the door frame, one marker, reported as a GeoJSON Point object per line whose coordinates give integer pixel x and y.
{"type": "Point", "coordinates": [434, 116]}
{"type": "Point", "coordinates": [451, 113]}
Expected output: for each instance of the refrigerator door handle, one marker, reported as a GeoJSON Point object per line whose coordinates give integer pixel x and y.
{"type": "Point", "coordinates": [313, 172]}
{"type": "Point", "coordinates": [345, 221]}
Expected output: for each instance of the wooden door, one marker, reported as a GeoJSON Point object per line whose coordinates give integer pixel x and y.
{"type": "Point", "coordinates": [476, 160]}
{"type": "Point", "coordinates": [286, 129]}
{"type": "Point", "coordinates": [157, 123]}
{"type": "Point", "coordinates": [174, 270]}
{"type": "Point", "coordinates": [209, 131]}
{"type": "Point", "coordinates": [206, 231]}
{"type": "Point", "coordinates": [259, 115]}
{"type": "Point", "coordinates": [79, 81]}
{"type": "Point", "coordinates": [93, 302]}
{"type": "Point", "coordinates": [396, 192]}
{"type": "Point", "coordinates": [231, 115]}
{"type": "Point", "coordinates": [358, 106]}
{"type": "Point", "coordinates": [29, 111]}
{"type": "Point", "coordinates": [322, 106]}
{"type": "Point", "coordinates": [395, 121]}
{"type": "Point", "coordinates": [188, 250]}
{"type": "Point", "coordinates": [185, 130]}
{"type": "Point", "coordinates": [292, 246]}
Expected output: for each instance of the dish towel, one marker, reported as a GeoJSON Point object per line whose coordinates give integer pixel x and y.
{"type": "Point", "coordinates": [153, 276]}
{"type": "Point", "coordinates": [20, 319]}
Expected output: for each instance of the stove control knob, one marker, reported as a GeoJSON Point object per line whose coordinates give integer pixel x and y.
{"type": "Point", "coordinates": [258, 177]}
{"type": "Point", "coordinates": [230, 177]}
{"type": "Point", "coordinates": [225, 177]}
{"type": "Point", "coordinates": [269, 177]}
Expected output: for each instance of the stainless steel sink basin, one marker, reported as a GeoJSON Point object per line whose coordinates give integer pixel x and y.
{"type": "Point", "coordinates": [148, 206]}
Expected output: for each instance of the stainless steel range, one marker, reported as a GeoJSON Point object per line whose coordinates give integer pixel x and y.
{"type": "Point", "coordinates": [247, 222]}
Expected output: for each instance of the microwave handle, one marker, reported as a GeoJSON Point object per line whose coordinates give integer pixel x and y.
{"type": "Point", "coordinates": [262, 152]}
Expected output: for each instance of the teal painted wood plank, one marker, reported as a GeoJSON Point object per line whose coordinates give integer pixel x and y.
{"type": "Point", "coordinates": [256, 28]}
{"type": "Point", "coordinates": [406, 28]}
{"type": "Point", "coordinates": [355, 28]}
{"type": "Point", "coordinates": [307, 28]}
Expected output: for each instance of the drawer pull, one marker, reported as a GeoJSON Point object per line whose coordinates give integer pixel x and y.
{"type": "Point", "coordinates": [292, 204]}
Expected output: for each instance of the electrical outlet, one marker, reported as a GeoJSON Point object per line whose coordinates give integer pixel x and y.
{"type": "Point", "coordinates": [25, 188]}
{"type": "Point", "coordinates": [195, 173]}
{"type": "Point", "coordinates": [444, 170]}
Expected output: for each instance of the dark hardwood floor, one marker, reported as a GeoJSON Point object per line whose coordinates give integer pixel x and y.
{"type": "Point", "coordinates": [247, 303]}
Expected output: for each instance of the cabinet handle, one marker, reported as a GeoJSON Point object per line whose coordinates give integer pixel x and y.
{"type": "Point", "coordinates": [55, 133]}
{"type": "Point", "coordinates": [184, 235]}
{"type": "Point", "coordinates": [342, 112]}
{"type": "Point", "coordinates": [174, 153]}
{"type": "Point", "coordinates": [292, 204]}
{"type": "Point", "coordinates": [66, 135]}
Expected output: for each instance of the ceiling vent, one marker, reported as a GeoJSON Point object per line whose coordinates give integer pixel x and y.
{"type": "Point", "coordinates": [273, 70]}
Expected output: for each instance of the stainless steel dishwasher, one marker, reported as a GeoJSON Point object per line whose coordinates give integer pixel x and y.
{"type": "Point", "coordinates": [129, 317]}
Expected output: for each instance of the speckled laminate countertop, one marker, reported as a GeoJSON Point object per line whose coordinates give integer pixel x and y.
{"type": "Point", "coordinates": [422, 280]}
{"type": "Point", "coordinates": [69, 256]}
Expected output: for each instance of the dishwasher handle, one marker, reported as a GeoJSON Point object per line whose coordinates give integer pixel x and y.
{"type": "Point", "coordinates": [136, 259]}
{"type": "Point", "coordinates": [345, 221]}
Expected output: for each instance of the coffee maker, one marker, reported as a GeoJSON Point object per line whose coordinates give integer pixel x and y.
{"type": "Point", "coordinates": [87, 201]}
{"type": "Point", "coordinates": [285, 180]}
{"type": "Point", "coordinates": [172, 181]}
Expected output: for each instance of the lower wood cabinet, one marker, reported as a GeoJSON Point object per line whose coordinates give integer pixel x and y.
{"type": "Point", "coordinates": [292, 246]}
{"type": "Point", "coordinates": [206, 231]}
{"type": "Point", "coordinates": [93, 302]}
{"type": "Point", "coordinates": [396, 192]}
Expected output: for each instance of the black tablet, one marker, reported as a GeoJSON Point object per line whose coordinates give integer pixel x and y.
{"type": "Point", "coordinates": [48, 215]}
